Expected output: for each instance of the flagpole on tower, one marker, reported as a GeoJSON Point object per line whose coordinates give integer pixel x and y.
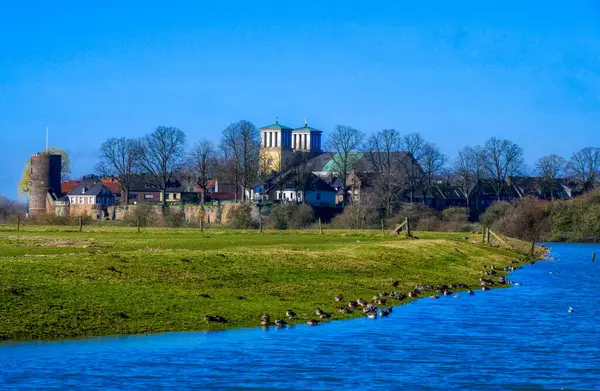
{"type": "Point", "coordinates": [46, 140]}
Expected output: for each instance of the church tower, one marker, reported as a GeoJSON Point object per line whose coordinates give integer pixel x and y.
{"type": "Point", "coordinates": [307, 139]}
{"type": "Point", "coordinates": [275, 147]}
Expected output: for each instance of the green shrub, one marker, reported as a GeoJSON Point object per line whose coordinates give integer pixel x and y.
{"type": "Point", "coordinates": [357, 216]}
{"type": "Point", "coordinates": [241, 217]}
{"type": "Point", "coordinates": [52, 219]}
{"type": "Point", "coordinates": [291, 216]}
{"type": "Point", "coordinates": [144, 213]}
{"type": "Point", "coordinates": [302, 217]}
{"type": "Point", "coordinates": [494, 213]}
{"type": "Point", "coordinates": [174, 218]}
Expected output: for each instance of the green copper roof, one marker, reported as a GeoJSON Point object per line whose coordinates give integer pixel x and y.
{"type": "Point", "coordinates": [331, 165]}
{"type": "Point", "coordinates": [307, 128]}
{"type": "Point", "coordinates": [276, 126]}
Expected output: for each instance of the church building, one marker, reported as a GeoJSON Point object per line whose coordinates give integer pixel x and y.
{"type": "Point", "coordinates": [280, 144]}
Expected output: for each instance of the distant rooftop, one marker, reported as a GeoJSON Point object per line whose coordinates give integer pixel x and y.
{"type": "Point", "coordinates": [276, 126]}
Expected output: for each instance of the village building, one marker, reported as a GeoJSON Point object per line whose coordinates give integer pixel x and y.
{"type": "Point", "coordinates": [280, 145]}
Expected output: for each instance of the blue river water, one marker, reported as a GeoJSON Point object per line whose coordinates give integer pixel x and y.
{"type": "Point", "coordinates": [520, 338]}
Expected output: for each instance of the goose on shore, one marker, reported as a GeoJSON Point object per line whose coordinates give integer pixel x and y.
{"type": "Point", "coordinates": [369, 308]}
{"type": "Point", "coordinates": [353, 304]}
{"type": "Point", "coordinates": [383, 312]}
{"type": "Point", "coordinates": [471, 292]}
{"type": "Point", "coordinates": [290, 314]}
{"type": "Point", "coordinates": [339, 298]}
{"type": "Point", "coordinates": [280, 322]}
{"type": "Point", "coordinates": [319, 311]}
{"type": "Point", "coordinates": [372, 315]}
{"type": "Point", "coordinates": [312, 322]}
{"type": "Point", "coordinates": [265, 319]}
{"type": "Point", "coordinates": [433, 297]}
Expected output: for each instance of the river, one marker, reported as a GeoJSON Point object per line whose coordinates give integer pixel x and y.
{"type": "Point", "coordinates": [520, 338]}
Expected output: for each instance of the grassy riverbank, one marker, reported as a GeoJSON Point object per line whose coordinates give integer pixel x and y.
{"type": "Point", "coordinates": [63, 283]}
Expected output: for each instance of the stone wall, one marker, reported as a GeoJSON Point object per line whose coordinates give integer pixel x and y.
{"type": "Point", "coordinates": [213, 214]}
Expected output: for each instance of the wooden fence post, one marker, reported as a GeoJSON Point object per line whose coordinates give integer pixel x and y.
{"type": "Point", "coordinates": [408, 233]}
{"type": "Point", "coordinates": [382, 227]}
{"type": "Point", "coordinates": [260, 222]}
{"type": "Point", "coordinates": [487, 238]}
{"type": "Point", "coordinates": [80, 224]}
{"type": "Point", "coordinates": [483, 234]}
{"type": "Point", "coordinates": [320, 227]}
{"type": "Point", "coordinates": [202, 224]}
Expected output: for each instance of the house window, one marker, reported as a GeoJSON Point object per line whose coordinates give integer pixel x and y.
{"type": "Point", "coordinates": [148, 185]}
{"type": "Point", "coordinates": [90, 200]}
{"type": "Point", "coordinates": [148, 196]}
{"type": "Point", "coordinates": [132, 196]}
{"type": "Point", "coordinates": [318, 196]}
{"type": "Point", "coordinates": [80, 200]}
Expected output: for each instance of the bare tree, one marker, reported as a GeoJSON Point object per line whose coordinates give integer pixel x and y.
{"type": "Point", "coordinates": [342, 145]}
{"type": "Point", "coordinates": [414, 145]}
{"type": "Point", "coordinates": [550, 168]}
{"type": "Point", "coordinates": [119, 158]}
{"type": "Point", "coordinates": [503, 159]}
{"type": "Point", "coordinates": [9, 209]}
{"type": "Point", "coordinates": [585, 167]}
{"type": "Point", "coordinates": [383, 152]}
{"type": "Point", "coordinates": [432, 162]}
{"type": "Point", "coordinates": [302, 176]}
{"type": "Point", "coordinates": [202, 161]}
{"type": "Point", "coordinates": [163, 155]}
{"type": "Point", "coordinates": [469, 171]}
{"type": "Point", "coordinates": [240, 143]}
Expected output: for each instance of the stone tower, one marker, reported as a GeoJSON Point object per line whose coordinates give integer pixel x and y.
{"type": "Point", "coordinates": [45, 179]}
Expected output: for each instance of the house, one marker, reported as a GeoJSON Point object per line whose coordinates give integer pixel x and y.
{"type": "Point", "coordinates": [95, 194]}
{"type": "Point", "coordinates": [114, 186]}
{"type": "Point", "coordinates": [220, 191]}
{"type": "Point", "coordinates": [289, 187]}
{"type": "Point", "coordinates": [142, 189]}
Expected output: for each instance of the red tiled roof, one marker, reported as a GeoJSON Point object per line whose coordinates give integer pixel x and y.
{"type": "Point", "coordinates": [209, 184]}
{"type": "Point", "coordinates": [66, 187]}
{"type": "Point", "coordinates": [113, 185]}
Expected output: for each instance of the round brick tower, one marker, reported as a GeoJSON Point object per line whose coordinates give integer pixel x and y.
{"type": "Point", "coordinates": [45, 179]}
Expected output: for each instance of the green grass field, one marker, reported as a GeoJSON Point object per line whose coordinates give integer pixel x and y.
{"type": "Point", "coordinates": [58, 282]}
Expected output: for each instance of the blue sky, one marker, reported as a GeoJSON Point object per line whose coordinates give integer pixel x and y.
{"type": "Point", "coordinates": [458, 72]}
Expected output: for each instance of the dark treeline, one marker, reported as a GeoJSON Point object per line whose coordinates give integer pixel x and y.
{"type": "Point", "coordinates": [9, 209]}
{"type": "Point", "coordinates": [532, 219]}
{"type": "Point", "coordinates": [165, 156]}
{"type": "Point", "coordinates": [399, 164]}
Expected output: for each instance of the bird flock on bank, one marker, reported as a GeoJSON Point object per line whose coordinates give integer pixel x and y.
{"type": "Point", "coordinates": [376, 307]}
